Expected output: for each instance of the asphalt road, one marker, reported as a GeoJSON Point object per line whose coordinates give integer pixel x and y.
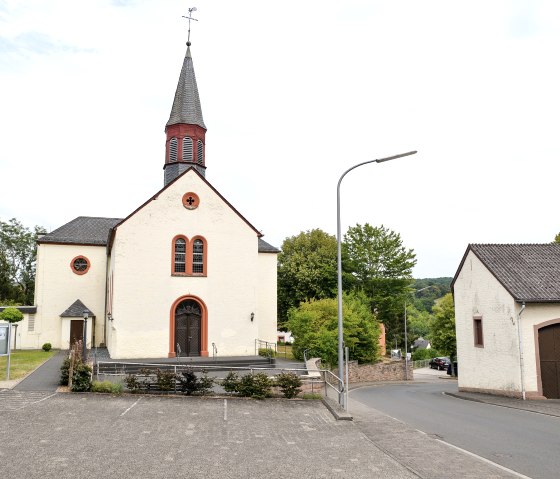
{"type": "Point", "coordinates": [525, 442]}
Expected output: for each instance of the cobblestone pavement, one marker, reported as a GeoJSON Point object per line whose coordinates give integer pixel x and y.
{"type": "Point", "coordinates": [88, 435]}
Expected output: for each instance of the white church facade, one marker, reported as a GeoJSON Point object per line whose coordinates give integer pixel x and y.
{"type": "Point", "coordinates": [184, 274]}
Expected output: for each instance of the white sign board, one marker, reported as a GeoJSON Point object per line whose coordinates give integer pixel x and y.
{"type": "Point", "coordinates": [4, 339]}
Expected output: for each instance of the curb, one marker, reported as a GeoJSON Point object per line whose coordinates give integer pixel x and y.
{"type": "Point", "coordinates": [335, 409]}
{"type": "Point", "coordinates": [509, 406]}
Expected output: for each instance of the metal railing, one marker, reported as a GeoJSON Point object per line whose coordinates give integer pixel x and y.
{"type": "Point", "coordinates": [327, 380]}
{"type": "Point", "coordinates": [262, 344]}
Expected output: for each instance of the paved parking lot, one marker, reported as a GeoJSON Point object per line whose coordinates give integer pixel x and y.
{"type": "Point", "coordinates": [57, 435]}
{"type": "Point", "coordinates": [73, 435]}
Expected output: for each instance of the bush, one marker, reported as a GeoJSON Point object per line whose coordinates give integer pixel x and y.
{"type": "Point", "coordinates": [267, 352]}
{"type": "Point", "coordinates": [257, 386]}
{"type": "Point", "coordinates": [81, 379]}
{"type": "Point", "coordinates": [424, 354]}
{"type": "Point", "coordinates": [106, 387]}
{"type": "Point", "coordinates": [64, 370]}
{"type": "Point", "coordinates": [231, 382]}
{"type": "Point", "coordinates": [289, 384]}
{"type": "Point", "coordinates": [131, 382]}
{"type": "Point", "coordinates": [47, 347]}
{"type": "Point", "coordinates": [192, 384]}
{"type": "Point", "coordinates": [165, 380]}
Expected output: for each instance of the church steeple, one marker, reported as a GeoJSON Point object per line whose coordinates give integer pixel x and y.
{"type": "Point", "coordinates": [185, 129]}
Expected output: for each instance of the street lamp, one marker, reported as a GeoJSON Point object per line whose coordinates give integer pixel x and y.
{"type": "Point", "coordinates": [84, 353]}
{"type": "Point", "coordinates": [339, 265]}
{"type": "Point", "coordinates": [406, 333]}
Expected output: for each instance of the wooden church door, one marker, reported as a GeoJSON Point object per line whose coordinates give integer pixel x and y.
{"type": "Point", "coordinates": [188, 317]}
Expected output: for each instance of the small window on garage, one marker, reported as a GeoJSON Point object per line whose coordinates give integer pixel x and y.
{"type": "Point", "coordinates": [478, 336]}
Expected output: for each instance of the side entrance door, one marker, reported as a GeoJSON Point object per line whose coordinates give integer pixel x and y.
{"type": "Point", "coordinates": [188, 316]}
{"type": "Point", "coordinates": [76, 331]}
{"type": "Point", "coordinates": [549, 351]}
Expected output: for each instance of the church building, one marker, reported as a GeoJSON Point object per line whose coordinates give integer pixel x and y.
{"type": "Point", "coordinates": [183, 274]}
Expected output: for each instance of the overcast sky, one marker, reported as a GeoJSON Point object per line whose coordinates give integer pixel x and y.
{"type": "Point", "coordinates": [293, 93]}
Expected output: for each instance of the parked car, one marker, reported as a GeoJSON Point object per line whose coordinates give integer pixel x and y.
{"type": "Point", "coordinates": [440, 363]}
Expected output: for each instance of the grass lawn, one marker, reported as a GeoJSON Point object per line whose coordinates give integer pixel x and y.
{"type": "Point", "coordinates": [23, 362]}
{"type": "Point", "coordinates": [284, 351]}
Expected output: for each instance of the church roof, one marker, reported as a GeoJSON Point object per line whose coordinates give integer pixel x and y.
{"type": "Point", "coordinates": [186, 105]}
{"type": "Point", "coordinates": [529, 272]}
{"type": "Point", "coordinates": [264, 247]}
{"type": "Point", "coordinates": [83, 230]}
{"type": "Point", "coordinates": [76, 310]}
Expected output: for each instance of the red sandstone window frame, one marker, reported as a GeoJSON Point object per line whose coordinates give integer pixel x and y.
{"type": "Point", "coordinates": [189, 256]}
{"type": "Point", "coordinates": [478, 332]}
{"type": "Point", "coordinates": [80, 271]}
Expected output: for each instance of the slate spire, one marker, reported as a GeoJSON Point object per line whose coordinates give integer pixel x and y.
{"type": "Point", "coordinates": [185, 130]}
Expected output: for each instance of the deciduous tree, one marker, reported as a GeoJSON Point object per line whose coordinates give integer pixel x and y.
{"type": "Point", "coordinates": [17, 261]}
{"type": "Point", "coordinates": [382, 269]}
{"type": "Point", "coordinates": [314, 325]}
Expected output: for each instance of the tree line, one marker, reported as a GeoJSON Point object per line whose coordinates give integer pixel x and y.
{"type": "Point", "coordinates": [376, 273]}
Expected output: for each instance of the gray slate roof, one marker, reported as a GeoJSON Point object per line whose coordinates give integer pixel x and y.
{"type": "Point", "coordinates": [86, 230]}
{"type": "Point", "coordinates": [186, 105]}
{"type": "Point", "coordinates": [83, 230]}
{"type": "Point", "coordinates": [264, 247]}
{"type": "Point", "coordinates": [76, 310]}
{"type": "Point", "coordinates": [529, 272]}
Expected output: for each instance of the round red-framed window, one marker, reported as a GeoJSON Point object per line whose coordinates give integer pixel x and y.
{"type": "Point", "coordinates": [190, 200]}
{"type": "Point", "coordinates": [80, 265]}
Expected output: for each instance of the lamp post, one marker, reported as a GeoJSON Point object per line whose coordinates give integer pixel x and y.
{"type": "Point", "coordinates": [406, 333]}
{"type": "Point", "coordinates": [84, 352]}
{"type": "Point", "coordinates": [339, 266]}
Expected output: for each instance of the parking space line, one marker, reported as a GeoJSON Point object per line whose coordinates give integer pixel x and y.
{"type": "Point", "coordinates": [128, 409]}
{"type": "Point", "coordinates": [225, 409]}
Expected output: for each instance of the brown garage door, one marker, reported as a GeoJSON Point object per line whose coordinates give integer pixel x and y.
{"type": "Point", "coordinates": [549, 351]}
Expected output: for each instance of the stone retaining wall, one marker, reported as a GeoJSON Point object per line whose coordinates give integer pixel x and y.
{"type": "Point", "coordinates": [384, 371]}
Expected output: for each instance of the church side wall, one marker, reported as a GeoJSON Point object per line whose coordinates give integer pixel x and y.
{"type": "Point", "coordinates": [496, 366]}
{"type": "Point", "coordinates": [144, 288]}
{"type": "Point", "coordinates": [57, 287]}
{"type": "Point", "coordinates": [266, 314]}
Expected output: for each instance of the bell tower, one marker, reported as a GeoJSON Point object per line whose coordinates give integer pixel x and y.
{"type": "Point", "coordinates": [185, 130]}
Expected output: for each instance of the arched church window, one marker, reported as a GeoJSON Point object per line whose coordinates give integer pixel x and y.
{"type": "Point", "coordinates": [180, 256]}
{"type": "Point", "coordinates": [173, 150]}
{"type": "Point", "coordinates": [187, 149]}
{"type": "Point", "coordinates": [200, 153]}
{"type": "Point", "coordinates": [198, 256]}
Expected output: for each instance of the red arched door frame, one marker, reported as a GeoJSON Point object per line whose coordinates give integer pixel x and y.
{"type": "Point", "coordinates": [203, 326]}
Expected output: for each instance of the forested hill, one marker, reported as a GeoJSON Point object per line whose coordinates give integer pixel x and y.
{"type": "Point", "coordinates": [435, 289]}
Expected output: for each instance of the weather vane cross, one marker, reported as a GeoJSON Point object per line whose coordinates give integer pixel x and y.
{"type": "Point", "coordinates": [189, 18]}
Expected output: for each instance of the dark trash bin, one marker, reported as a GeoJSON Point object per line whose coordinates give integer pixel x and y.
{"type": "Point", "coordinates": [455, 367]}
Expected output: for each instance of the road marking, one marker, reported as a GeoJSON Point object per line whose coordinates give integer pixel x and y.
{"type": "Point", "coordinates": [225, 409]}
{"type": "Point", "coordinates": [40, 400]}
{"type": "Point", "coordinates": [483, 459]}
{"type": "Point", "coordinates": [131, 407]}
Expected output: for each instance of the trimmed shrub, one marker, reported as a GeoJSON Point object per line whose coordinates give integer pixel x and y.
{"type": "Point", "coordinates": [47, 347]}
{"type": "Point", "coordinates": [106, 387]}
{"type": "Point", "coordinates": [131, 382]}
{"type": "Point", "coordinates": [81, 380]}
{"type": "Point", "coordinates": [190, 383]}
{"type": "Point", "coordinates": [289, 384]}
{"type": "Point", "coordinates": [64, 370]}
{"type": "Point", "coordinates": [165, 380]}
{"type": "Point", "coordinates": [257, 386]}
{"type": "Point", "coordinates": [231, 382]}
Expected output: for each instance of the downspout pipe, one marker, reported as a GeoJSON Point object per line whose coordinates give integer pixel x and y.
{"type": "Point", "coordinates": [521, 349]}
